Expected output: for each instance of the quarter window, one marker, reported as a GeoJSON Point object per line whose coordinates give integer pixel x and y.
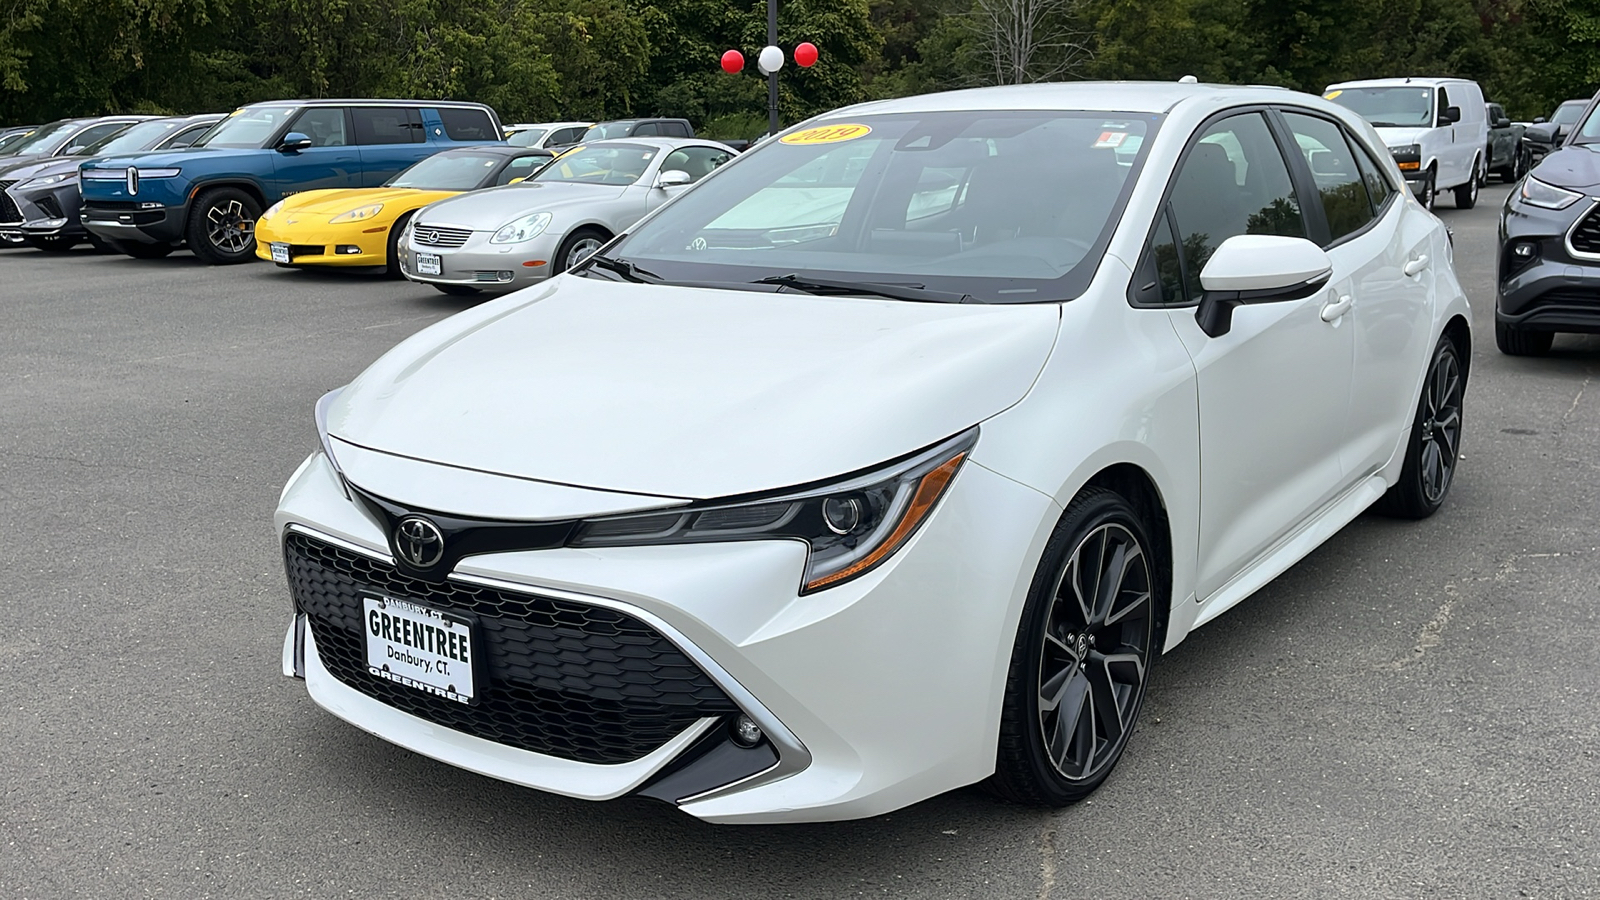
{"type": "Point", "coordinates": [1333, 169]}
{"type": "Point", "coordinates": [468, 124]}
{"type": "Point", "coordinates": [1234, 181]}
{"type": "Point", "coordinates": [324, 125]}
{"type": "Point", "coordinates": [697, 161]}
{"type": "Point", "coordinates": [1378, 187]}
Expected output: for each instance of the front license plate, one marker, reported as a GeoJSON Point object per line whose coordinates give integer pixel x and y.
{"type": "Point", "coordinates": [419, 647]}
{"type": "Point", "coordinates": [427, 264]}
{"type": "Point", "coordinates": [280, 252]}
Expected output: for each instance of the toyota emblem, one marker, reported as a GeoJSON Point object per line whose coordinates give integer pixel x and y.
{"type": "Point", "coordinates": [419, 542]}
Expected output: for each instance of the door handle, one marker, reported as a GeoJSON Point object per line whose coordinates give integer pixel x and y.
{"type": "Point", "coordinates": [1417, 265]}
{"type": "Point", "coordinates": [1336, 308]}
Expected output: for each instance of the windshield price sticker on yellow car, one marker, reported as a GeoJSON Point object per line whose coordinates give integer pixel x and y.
{"type": "Point", "coordinates": [827, 134]}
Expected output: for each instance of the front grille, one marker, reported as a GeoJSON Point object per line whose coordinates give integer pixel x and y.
{"type": "Point", "coordinates": [439, 236]}
{"type": "Point", "coordinates": [8, 206]}
{"type": "Point", "coordinates": [561, 678]}
{"type": "Point", "coordinates": [298, 250]}
{"type": "Point", "coordinates": [1585, 237]}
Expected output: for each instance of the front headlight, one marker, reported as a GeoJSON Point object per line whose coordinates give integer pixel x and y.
{"type": "Point", "coordinates": [524, 229]}
{"type": "Point", "coordinates": [357, 214]}
{"type": "Point", "coordinates": [159, 173]}
{"type": "Point", "coordinates": [851, 526]}
{"type": "Point", "coordinates": [1547, 196]}
{"type": "Point", "coordinates": [321, 413]}
{"type": "Point", "coordinates": [1407, 157]}
{"type": "Point", "coordinates": [46, 181]}
{"type": "Point", "coordinates": [272, 210]}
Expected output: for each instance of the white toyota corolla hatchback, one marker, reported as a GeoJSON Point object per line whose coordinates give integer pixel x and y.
{"type": "Point", "coordinates": [886, 460]}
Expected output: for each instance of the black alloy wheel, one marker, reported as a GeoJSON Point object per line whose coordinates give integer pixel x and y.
{"type": "Point", "coordinates": [1081, 661]}
{"type": "Point", "coordinates": [52, 244]}
{"type": "Point", "coordinates": [1434, 446]}
{"type": "Point", "coordinates": [140, 249]}
{"type": "Point", "coordinates": [222, 226]}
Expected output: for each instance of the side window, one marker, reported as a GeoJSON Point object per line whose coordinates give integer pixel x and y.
{"type": "Point", "coordinates": [1444, 101]}
{"type": "Point", "coordinates": [646, 129]}
{"type": "Point", "coordinates": [91, 134]}
{"type": "Point", "coordinates": [565, 137]}
{"type": "Point", "coordinates": [697, 161]}
{"type": "Point", "coordinates": [519, 168]}
{"type": "Point", "coordinates": [185, 137]}
{"type": "Point", "coordinates": [384, 125]}
{"type": "Point", "coordinates": [1333, 168]}
{"type": "Point", "coordinates": [1234, 181]}
{"type": "Point", "coordinates": [1378, 187]}
{"type": "Point", "coordinates": [675, 129]}
{"type": "Point", "coordinates": [324, 125]}
{"type": "Point", "coordinates": [468, 124]}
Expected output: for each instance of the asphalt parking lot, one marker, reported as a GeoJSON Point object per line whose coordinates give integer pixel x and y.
{"type": "Point", "coordinates": [1413, 711]}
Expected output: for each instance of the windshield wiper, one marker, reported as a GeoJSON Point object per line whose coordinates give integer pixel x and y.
{"type": "Point", "coordinates": [914, 292]}
{"type": "Point", "coordinates": [627, 270]}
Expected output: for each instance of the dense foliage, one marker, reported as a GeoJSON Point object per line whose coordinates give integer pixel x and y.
{"type": "Point", "coordinates": [554, 59]}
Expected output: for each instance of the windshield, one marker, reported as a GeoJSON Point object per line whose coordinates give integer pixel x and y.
{"type": "Point", "coordinates": [1568, 112]}
{"type": "Point", "coordinates": [618, 164]}
{"type": "Point", "coordinates": [448, 172]}
{"type": "Point", "coordinates": [11, 140]}
{"type": "Point", "coordinates": [139, 137]}
{"type": "Point", "coordinates": [1004, 206]}
{"type": "Point", "coordinates": [528, 137]}
{"type": "Point", "coordinates": [42, 140]}
{"type": "Point", "coordinates": [249, 127]}
{"type": "Point", "coordinates": [1388, 107]}
{"type": "Point", "coordinates": [606, 130]}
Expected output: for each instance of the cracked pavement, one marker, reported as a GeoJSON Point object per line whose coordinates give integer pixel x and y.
{"type": "Point", "coordinates": [1409, 712]}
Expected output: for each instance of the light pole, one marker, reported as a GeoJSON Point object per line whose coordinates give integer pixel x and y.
{"type": "Point", "coordinates": [769, 61]}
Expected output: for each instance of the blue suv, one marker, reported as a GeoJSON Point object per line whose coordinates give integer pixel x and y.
{"type": "Point", "coordinates": [210, 196]}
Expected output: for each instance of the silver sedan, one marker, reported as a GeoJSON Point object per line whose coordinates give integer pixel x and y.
{"type": "Point", "coordinates": [510, 237]}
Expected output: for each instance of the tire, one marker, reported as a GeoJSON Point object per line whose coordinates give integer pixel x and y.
{"type": "Point", "coordinates": [1467, 194]}
{"type": "Point", "coordinates": [391, 260]}
{"type": "Point", "coordinates": [1434, 445]}
{"type": "Point", "coordinates": [578, 245]}
{"type": "Point", "coordinates": [1514, 341]}
{"type": "Point", "coordinates": [1430, 192]}
{"type": "Point", "coordinates": [221, 229]}
{"type": "Point", "coordinates": [457, 290]}
{"type": "Point", "coordinates": [1056, 753]}
{"type": "Point", "coordinates": [52, 244]}
{"type": "Point", "coordinates": [139, 249]}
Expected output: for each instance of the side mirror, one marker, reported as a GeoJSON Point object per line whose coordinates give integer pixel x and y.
{"type": "Point", "coordinates": [294, 142]}
{"type": "Point", "coordinates": [672, 178]}
{"type": "Point", "coordinates": [1258, 268]}
{"type": "Point", "coordinates": [517, 180]}
{"type": "Point", "coordinates": [1449, 115]}
{"type": "Point", "coordinates": [1502, 122]}
{"type": "Point", "coordinates": [1538, 120]}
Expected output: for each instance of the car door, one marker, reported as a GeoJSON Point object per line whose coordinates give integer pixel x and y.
{"type": "Point", "coordinates": [1275, 389]}
{"type": "Point", "coordinates": [332, 160]}
{"type": "Point", "coordinates": [1378, 265]}
{"type": "Point", "coordinates": [389, 138]}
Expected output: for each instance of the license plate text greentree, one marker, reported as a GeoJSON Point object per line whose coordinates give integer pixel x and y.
{"type": "Point", "coordinates": [427, 264]}
{"type": "Point", "coordinates": [419, 647]}
{"type": "Point", "coordinates": [280, 252]}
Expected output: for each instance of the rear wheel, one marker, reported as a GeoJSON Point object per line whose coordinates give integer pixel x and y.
{"type": "Point", "coordinates": [1467, 194]}
{"type": "Point", "coordinates": [1081, 657]}
{"type": "Point", "coordinates": [222, 226]}
{"type": "Point", "coordinates": [52, 244]}
{"type": "Point", "coordinates": [1514, 341]}
{"type": "Point", "coordinates": [139, 249]}
{"type": "Point", "coordinates": [1435, 442]}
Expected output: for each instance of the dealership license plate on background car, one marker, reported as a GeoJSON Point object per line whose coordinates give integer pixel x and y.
{"type": "Point", "coordinates": [427, 264]}
{"type": "Point", "coordinates": [419, 647]}
{"type": "Point", "coordinates": [280, 252]}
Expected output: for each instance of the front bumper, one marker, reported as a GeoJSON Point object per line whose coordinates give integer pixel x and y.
{"type": "Point", "coordinates": [323, 245]}
{"type": "Point", "coordinates": [874, 695]}
{"type": "Point", "coordinates": [1545, 282]}
{"type": "Point", "coordinates": [478, 263]}
{"type": "Point", "coordinates": [125, 221]}
{"type": "Point", "coordinates": [46, 212]}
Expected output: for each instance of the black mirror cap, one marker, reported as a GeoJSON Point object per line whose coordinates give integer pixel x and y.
{"type": "Point", "coordinates": [1215, 313]}
{"type": "Point", "coordinates": [1449, 116]}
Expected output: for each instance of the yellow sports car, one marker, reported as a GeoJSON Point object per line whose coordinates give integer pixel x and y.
{"type": "Point", "coordinates": [359, 226]}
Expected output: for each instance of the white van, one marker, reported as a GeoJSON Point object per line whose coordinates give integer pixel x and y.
{"type": "Point", "coordinates": [1435, 127]}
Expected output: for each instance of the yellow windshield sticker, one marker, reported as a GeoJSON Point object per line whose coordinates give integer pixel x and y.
{"type": "Point", "coordinates": [1331, 94]}
{"type": "Point", "coordinates": [827, 134]}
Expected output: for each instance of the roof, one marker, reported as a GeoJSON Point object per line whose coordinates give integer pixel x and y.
{"type": "Point", "coordinates": [1152, 97]}
{"type": "Point", "coordinates": [495, 150]}
{"type": "Point", "coordinates": [366, 101]}
{"type": "Point", "coordinates": [1399, 82]}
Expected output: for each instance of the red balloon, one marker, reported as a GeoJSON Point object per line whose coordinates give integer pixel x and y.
{"type": "Point", "coordinates": [806, 54]}
{"type": "Point", "coordinates": [732, 61]}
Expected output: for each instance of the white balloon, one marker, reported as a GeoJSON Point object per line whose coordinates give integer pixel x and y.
{"type": "Point", "coordinates": [770, 60]}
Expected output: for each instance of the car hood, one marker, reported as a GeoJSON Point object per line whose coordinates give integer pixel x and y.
{"type": "Point", "coordinates": [1576, 166]}
{"type": "Point", "coordinates": [687, 392]}
{"type": "Point", "coordinates": [337, 202]}
{"type": "Point", "coordinates": [52, 166]}
{"type": "Point", "coordinates": [1400, 137]}
{"type": "Point", "coordinates": [488, 209]}
{"type": "Point", "coordinates": [25, 167]}
{"type": "Point", "coordinates": [165, 158]}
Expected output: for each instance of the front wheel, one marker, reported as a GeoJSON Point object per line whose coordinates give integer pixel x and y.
{"type": "Point", "coordinates": [391, 262]}
{"type": "Point", "coordinates": [1435, 441]}
{"type": "Point", "coordinates": [579, 246]}
{"type": "Point", "coordinates": [222, 226]}
{"type": "Point", "coordinates": [1082, 655]}
{"type": "Point", "coordinates": [1467, 194]}
{"type": "Point", "coordinates": [1429, 194]}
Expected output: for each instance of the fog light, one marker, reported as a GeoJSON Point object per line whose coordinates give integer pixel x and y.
{"type": "Point", "coordinates": [1523, 250]}
{"type": "Point", "coordinates": [348, 250]}
{"type": "Point", "coordinates": [149, 205]}
{"type": "Point", "coordinates": [505, 276]}
{"type": "Point", "coordinates": [746, 733]}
